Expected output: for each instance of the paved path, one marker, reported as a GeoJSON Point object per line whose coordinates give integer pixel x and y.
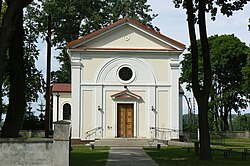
{"type": "Point", "coordinates": [129, 156]}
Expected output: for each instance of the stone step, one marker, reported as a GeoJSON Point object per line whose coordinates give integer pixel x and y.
{"type": "Point", "coordinates": [128, 142]}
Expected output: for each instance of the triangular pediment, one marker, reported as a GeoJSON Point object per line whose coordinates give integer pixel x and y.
{"type": "Point", "coordinates": [125, 95]}
{"type": "Point", "coordinates": [126, 34]}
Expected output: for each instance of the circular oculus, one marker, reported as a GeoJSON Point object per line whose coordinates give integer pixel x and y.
{"type": "Point", "coordinates": [125, 73]}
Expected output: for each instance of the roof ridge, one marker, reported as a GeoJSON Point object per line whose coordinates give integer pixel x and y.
{"type": "Point", "coordinates": [119, 22]}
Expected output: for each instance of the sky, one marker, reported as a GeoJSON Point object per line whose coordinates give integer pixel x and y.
{"type": "Point", "coordinates": [172, 23]}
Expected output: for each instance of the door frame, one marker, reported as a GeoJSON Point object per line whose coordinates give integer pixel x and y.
{"type": "Point", "coordinates": [135, 117]}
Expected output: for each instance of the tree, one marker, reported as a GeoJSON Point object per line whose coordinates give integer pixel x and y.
{"type": "Point", "coordinates": [249, 24]}
{"type": "Point", "coordinates": [246, 74]}
{"type": "Point", "coordinates": [228, 57]}
{"type": "Point", "coordinates": [190, 122]}
{"type": "Point", "coordinates": [242, 122]}
{"type": "Point", "coordinates": [196, 14]}
{"type": "Point", "coordinates": [16, 107]}
{"type": "Point", "coordinates": [33, 78]}
{"type": "Point", "coordinates": [31, 121]}
{"type": "Point", "coordinates": [79, 19]}
{"type": "Point", "coordinates": [7, 30]}
{"type": "Point", "coordinates": [246, 77]}
{"type": "Point", "coordinates": [3, 108]}
{"type": "Point", "coordinates": [14, 63]}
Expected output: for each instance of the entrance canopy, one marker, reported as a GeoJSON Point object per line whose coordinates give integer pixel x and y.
{"type": "Point", "coordinates": [126, 95]}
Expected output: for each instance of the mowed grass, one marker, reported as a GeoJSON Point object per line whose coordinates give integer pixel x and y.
{"type": "Point", "coordinates": [169, 156]}
{"type": "Point", "coordinates": [83, 155]}
{"type": "Point", "coordinates": [173, 155]}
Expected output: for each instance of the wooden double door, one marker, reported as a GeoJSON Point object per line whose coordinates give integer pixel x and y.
{"type": "Point", "coordinates": [125, 120]}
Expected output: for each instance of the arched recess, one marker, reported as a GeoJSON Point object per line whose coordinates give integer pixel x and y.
{"type": "Point", "coordinates": [67, 111]}
{"type": "Point", "coordinates": [111, 67]}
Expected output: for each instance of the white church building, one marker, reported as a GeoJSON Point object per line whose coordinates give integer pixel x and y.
{"type": "Point", "coordinates": [125, 84]}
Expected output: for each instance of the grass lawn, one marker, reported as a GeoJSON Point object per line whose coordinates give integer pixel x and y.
{"type": "Point", "coordinates": [83, 155]}
{"type": "Point", "coordinates": [173, 155]}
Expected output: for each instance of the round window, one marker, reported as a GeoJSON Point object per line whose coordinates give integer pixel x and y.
{"type": "Point", "coordinates": [125, 73]}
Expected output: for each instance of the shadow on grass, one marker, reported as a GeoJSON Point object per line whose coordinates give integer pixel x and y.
{"type": "Point", "coordinates": [81, 156]}
{"type": "Point", "coordinates": [172, 156]}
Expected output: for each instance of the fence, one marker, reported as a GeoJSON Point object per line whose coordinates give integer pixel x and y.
{"type": "Point", "coordinates": [216, 136]}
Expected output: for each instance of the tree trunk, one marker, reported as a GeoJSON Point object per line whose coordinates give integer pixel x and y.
{"type": "Point", "coordinates": [225, 119]}
{"type": "Point", "coordinates": [216, 117]}
{"type": "Point", "coordinates": [1, 107]}
{"type": "Point", "coordinates": [201, 93]}
{"type": "Point", "coordinates": [205, 151]}
{"type": "Point", "coordinates": [8, 28]}
{"type": "Point", "coordinates": [221, 119]}
{"type": "Point", "coordinates": [17, 102]}
{"type": "Point", "coordinates": [231, 128]}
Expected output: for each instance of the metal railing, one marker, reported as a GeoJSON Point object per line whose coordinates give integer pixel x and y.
{"type": "Point", "coordinates": [93, 132]}
{"type": "Point", "coordinates": [163, 133]}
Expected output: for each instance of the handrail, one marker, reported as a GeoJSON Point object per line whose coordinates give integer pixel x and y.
{"type": "Point", "coordinates": [163, 128]}
{"type": "Point", "coordinates": [92, 131]}
{"type": "Point", "coordinates": [165, 132]}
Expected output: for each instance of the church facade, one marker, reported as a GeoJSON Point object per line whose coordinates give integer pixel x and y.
{"type": "Point", "coordinates": [125, 84]}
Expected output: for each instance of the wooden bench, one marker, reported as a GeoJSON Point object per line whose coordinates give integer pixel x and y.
{"type": "Point", "coordinates": [188, 148]}
{"type": "Point", "coordinates": [196, 148]}
{"type": "Point", "coordinates": [245, 153]}
{"type": "Point", "coordinates": [227, 152]}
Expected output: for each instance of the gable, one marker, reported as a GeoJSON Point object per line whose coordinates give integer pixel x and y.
{"type": "Point", "coordinates": [126, 34]}
{"type": "Point", "coordinates": [127, 37]}
{"type": "Point", "coordinates": [125, 95]}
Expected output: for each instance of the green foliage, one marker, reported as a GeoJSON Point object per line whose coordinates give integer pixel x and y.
{"type": "Point", "coordinates": [190, 122]}
{"type": "Point", "coordinates": [246, 77]}
{"type": "Point", "coordinates": [64, 74]}
{"type": "Point", "coordinates": [32, 122]}
{"type": "Point", "coordinates": [242, 122]}
{"type": "Point", "coordinates": [212, 6]}
{"type": "Point", "coordinates": [73, 19]}
{"type": "Point", "coordinates": [3, 10]}
{"type": "Point", "coordinates": [33, 77]}
{"type": "Point", "coordinates": [228, 58]}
